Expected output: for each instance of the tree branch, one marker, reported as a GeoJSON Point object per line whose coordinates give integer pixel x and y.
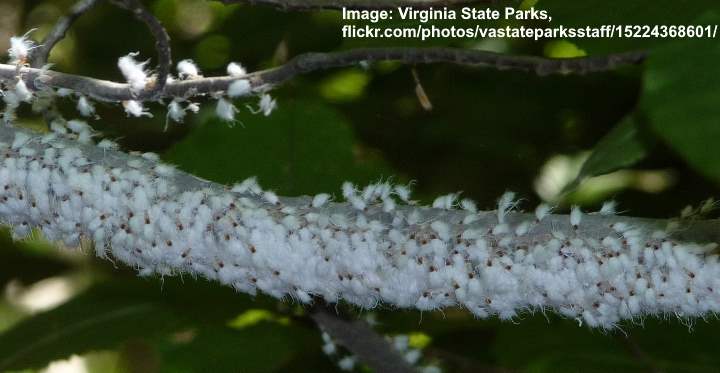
{"type": "Point", "coordinates": [600, 271]}
{"type": "Point", "coordinates": [103, 90]}
{"type": "Point", "coordinates": [355, 4]}
{"type": "Point", "coordinates": [360, 339]}
{"type": "Point", "coordinates": [42, 52]}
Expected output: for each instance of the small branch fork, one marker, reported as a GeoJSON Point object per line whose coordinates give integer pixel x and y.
{"type": "Point", "coordinates": [40, 54]}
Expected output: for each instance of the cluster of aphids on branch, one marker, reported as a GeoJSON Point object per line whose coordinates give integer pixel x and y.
{"type": "Point", "coordinates": [139, 80]}
{"type": "Point", "coordinates": [376, 247]}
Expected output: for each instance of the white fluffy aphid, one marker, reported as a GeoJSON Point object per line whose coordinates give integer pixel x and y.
{"type": "Point", "coordinates": [249, 185]}
{"type": "Point", "coordinates": [468, 205]}
{"type": "Point", "coordinates": [270, 197]}
{"type": "Point", "coordinates": [163, 223]}
{"type": "Point", "coordinates": [236, 70]}
{"type": "Point", "coordinates": [133, 71]}
{"type": "Point", "coordinates": [320, 200]}
{"type": "Point", "coordinates": [267, 105]}
{"type": "Point", "coordinates": [78, 126]}
{"type": "Point", "coordinates": [446, 202]}
{"type": "Point", "coordinates": [505, 204]}
{"type": "Point", "coordinates": [542, 211]}
{"type": "Point", "coordinates": [403, 192]}
{"type": "Point", "coordinates": [106, 144]}
{"type": "Point", "coordinates": [20, 47]}
{"type": "Point", "coordinates": [188, 70]}
{"type": "Point", "coordinates": [135, 108]}
{"type": "Point", "coordinates": [175, 112]}
{"type": "Point", "coordinates": [239, 88]}
{"type": "Point", "coordinates": [64, 92]}
{"type": "Point", "coordinates": [225, 110]}
{"type": "Point", "coordinates": [85, 107]}
{"type": "Point", "coordinates": [575, 216]}
{"type": "Point", "coordinates": [608, 208]}
{"type": "Point", "coordinates": [22, 91]}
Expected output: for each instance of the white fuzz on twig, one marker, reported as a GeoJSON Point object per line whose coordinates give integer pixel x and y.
{"type": "Point", "coordinates": [64, 92]}
{"type": "Point", "coordinates": [175, 112]}
{"type": "Point", "coordinates": [266, 105]}
{"type": "Point", "coordinates": [85, 107]}
{"type": "Point", "coordinates": [22, 91]}
{"type": "Point", "coordinates": [135, 108]}
{"type": "Point", "coordinates": [236, 70]}
{"type": "Point", "coordinates": [608, 208]}
{"type": "Point", "coordinates": [239, 88]}
{"type": "Point", "coordinates": [133, 71]}
{"type": "Point", "coordinates": [20, 47]}
{"type": "Point", "coordinates": [188, 70]}
{"type": "Point", "coordinates": [225, 110]}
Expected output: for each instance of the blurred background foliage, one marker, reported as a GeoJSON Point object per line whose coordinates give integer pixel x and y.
{"type": "Point", "coordinates": [645, 136]}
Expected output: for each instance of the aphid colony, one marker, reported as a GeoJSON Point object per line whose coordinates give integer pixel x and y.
{"type": "Point", "coordinates": [138, 79]}
{"type": "Point", "coordinates": [366, 251]}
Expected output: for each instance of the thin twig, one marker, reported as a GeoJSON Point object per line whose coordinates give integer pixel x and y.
{"type": "Point", "coordinates": [358, 337]}
{"type": "Point", "coordinates": [104, 90]}
{"type": "Point", "coordinates": [162, 45]}
{"type": "Point", "coordinates": [42, 52]}
{"type": "Point", "coordinates": [355, 4]}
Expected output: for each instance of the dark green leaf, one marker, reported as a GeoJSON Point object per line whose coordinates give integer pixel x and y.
{"type": "Point", "coordinates": [681, 98]}
{"type": "Point", "coordinates": [109, 314]}
{"type": "Point", "coordinates": [304, 147]}
{"type": "Point", "coordinates": [263, 347]}
{"type": "Point", "coordinates": [93, 320]}
{"type": "Point", "coordinates": [622, 147]}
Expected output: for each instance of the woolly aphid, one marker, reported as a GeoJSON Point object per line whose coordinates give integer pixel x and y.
{"type": "Point", "coordinates": [266, 105]}
{"type": "Point", "coordinates": [188, 70]}
{"type": "Point", "coordinates": [135, 108]}
{"type": "Point", "coordinates": [20, 47]}
{"type": "Point", "coordinates": [239, 88]}
{"type": "Point", "coordinates": [22, 92]}
{"type": "Point", "coordinates": [225, 110]}
{"type": "Point", "coordinates": [133, 71]}
{"type": "Point", "coordinates": [85, 107]}
{"type": "Point", "coordinates": [236, 70]}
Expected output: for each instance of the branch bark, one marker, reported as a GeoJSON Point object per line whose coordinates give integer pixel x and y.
{"type": "Point", "coordinates": [164, 222]}
{"type": "Point", "coordinates": [109, 91]}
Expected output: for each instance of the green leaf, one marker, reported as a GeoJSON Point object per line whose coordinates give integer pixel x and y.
{"type": "Point", "coordinates": [622, 147]}
{"type": "Point", "coordinates": [304, 147]}
{"type": "Point", "coordinates": [681, 97]}
{"type": "Point", "coordinates": [109, 314]}
{"type": "Point", "coordinates": [91, 321]}
{"type": "Point", "coordinates": [264, 347]}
